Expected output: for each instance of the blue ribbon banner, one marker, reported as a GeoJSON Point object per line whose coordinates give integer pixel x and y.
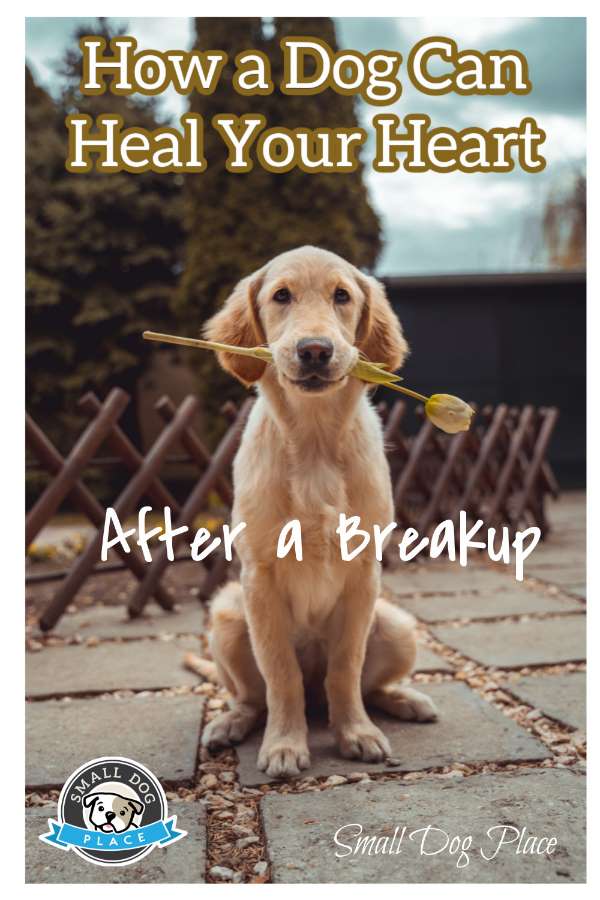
{"type": "Point", "coordinates": [65, 836]}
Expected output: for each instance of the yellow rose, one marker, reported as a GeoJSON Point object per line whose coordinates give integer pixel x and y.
{"type": "Point", "coordinates": [449, 413]}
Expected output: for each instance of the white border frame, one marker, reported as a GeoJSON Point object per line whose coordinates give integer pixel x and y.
{"type": "Point", "coordinates": [13, 364]}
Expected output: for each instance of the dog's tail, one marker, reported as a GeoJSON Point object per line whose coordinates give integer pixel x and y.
{"type": "Point", "coordinates": [201, 666]}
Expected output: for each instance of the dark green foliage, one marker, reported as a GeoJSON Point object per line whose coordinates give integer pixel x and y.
{"type": "Point", "coordinates": [237, 222]}
{"type": "Point", "coordinates": [104, 252]}
{"type": "Point", "coordinates": [102, 260]}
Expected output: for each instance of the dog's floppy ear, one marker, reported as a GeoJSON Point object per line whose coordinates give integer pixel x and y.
{"type": "Point", "coordinates": [89, 800]}
{"type": "Point", "coordinates": [379, 334]}
{"type": "Point", "coordinates": [136, 806]}
{"type": "Point", "coordinates": [238, 323]}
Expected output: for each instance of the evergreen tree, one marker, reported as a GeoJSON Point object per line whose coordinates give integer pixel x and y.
{"type": "Point", "coordinates": [236, 223]}
{"type": "Point", "coordinates": [102, 258]}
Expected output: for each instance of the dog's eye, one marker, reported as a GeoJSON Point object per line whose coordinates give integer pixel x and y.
{"type": "Point", "coordinates": [101, 808]}
{"type": "Point", "coordinates": [341, 296]}
{"type": "Point", "coordinates": [282, 296]}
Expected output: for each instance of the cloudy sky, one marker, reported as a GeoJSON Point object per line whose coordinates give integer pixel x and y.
{"type": "Point", "coordinates": [434, 223]}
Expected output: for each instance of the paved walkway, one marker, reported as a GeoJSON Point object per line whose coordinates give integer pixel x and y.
{"type": "Point", "coordinates": [504, 662]}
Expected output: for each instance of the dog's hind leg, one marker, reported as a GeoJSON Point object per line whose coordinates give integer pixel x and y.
{"type": "Point", "coordinates": [390, 656]}
{"type": "Point", "coordinates": [236, 668]}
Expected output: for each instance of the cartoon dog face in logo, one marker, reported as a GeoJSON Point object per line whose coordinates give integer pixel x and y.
{"type": "Point", "coordinates": [110, 812]}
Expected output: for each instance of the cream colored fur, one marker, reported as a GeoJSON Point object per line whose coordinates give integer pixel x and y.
{"type": "Point", "coordinates": [317, 623]}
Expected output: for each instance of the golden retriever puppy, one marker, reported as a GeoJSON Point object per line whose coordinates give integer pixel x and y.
{"type": "Point", "coordinates": [312, 449]}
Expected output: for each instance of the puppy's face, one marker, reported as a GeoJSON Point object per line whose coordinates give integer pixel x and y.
{"type": "Point", "coordinates": [110, 812]}
{"type": "Point", "coordinates": [310, 306]}
{"type": "Point", "coordinates": [316, 312]}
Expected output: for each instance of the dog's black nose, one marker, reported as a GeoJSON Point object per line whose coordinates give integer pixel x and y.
{"type": "Point", "coordinates": [110, 816]}
{"type": "Point", "coordinates": [314, 352]}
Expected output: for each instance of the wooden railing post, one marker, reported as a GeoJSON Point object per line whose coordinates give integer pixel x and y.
{"type": "Point", "coordinates": [53, 462]}
{"type": "Point", "coordinates": [122, 506]}
{"type": "Point", "coordinates": [131, 456]}
{"type": "Point", "coordinates": [95, 433]}
{"type": "Point", "coordinates": [218, 464]}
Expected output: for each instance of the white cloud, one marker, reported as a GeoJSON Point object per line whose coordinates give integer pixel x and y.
{"type": "Point", "coordinates": [467, 31]}
{"type": "Point", "coordinates": [47, 40]}
{"type": "Point", "coordinates": [454, 201]}
{"type": "Point", "coordinates": [163, 33]}
{"type": "Point", "coordinates": [565, 134]}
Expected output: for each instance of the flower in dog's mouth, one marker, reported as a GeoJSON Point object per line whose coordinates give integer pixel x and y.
{"type": "Point", "coordinates": [450, 414]}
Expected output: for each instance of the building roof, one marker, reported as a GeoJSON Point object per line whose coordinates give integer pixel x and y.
{"type": "Point", "coordinates": [485, 279]}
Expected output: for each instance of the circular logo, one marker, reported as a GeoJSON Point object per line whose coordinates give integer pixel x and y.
{"type": "Point", "coordinates": [112, 811]}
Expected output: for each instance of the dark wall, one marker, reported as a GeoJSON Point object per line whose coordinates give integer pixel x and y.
{"type": "Point", "coordinates": [512, 338]}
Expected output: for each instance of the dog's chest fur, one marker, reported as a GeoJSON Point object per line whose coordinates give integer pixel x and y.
{"type": "Point", "coordinates": [311, 474]}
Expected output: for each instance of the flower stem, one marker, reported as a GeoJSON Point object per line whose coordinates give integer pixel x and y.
{"type": "Point", "coordinates": [198, 342]}
{"type": "Point", "coordinates": [260, 353]}
{"type": "Point", "coordinates": [407, 391]}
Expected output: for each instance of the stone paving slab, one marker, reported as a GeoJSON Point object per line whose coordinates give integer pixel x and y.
{"type": "Point", "coordinates": [159, 732]}
{"type": "Point", "coordinates": [113, 622]}
{"type": "Point", "coordinates": [183, 862]}
{"type": "Point", "coordinates": [562, 697]}
{"type": "Point", "coordinates": [300, 830]}
{"type": "Point", "coordinates": [469, 730]}
{"type": "Point", "coordinates": [450, 578]}
{"type": "Point", "coordinates": [515, 644]}
{"type": "Point", "coordinates": [558, 574]}
{"type": "Point", "coordinates": [130, 665]}
{"type": "Point", "coordinates": [549, 552]}
{"type": "Point", "coordinates": [428, 661]}
{"type": "Point", "coordinates": [511, 602]}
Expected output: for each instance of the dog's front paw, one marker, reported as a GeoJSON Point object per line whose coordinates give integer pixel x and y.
{"type": "Point", "coordinates": [229, 728]}
{"type": "Point", "coordinates": [283, 758]}
{"type": "Point", "coordinates": [363, 741]}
